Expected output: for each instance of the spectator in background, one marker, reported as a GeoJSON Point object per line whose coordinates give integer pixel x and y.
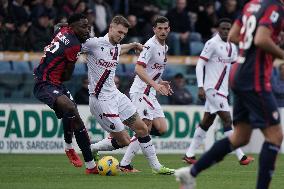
{"type": "Point", "coordinates": [94, 31]}
{"type": "Point", "coordinates": [4, 8]}
{"type": "Point", "coordinates": [40, 32]}
{"type": "Point", "coordinates": [17, 12]}
{"type": "Point", "coordinates": [278, 86]}
{"type": "Point", "coordinates": [181, 37]}
{"type": "Point", "coordinates": [133, 34]}
{"type": "Point", "coordinates": [207, 20]}
{"type": "Point", "coordinates": [3, 35]}
{"type": "Point", "coordinates": [143, 9]}
{"type": "Point", "coordinates": [181, 94]}
{"type": "Point", "coordinates": [69, 7]}
{"type": "Point", "coordinates": [119, 6]}
{"type": "Point", "coordinates": [82, 95]}
{"type": "Point", "coordinates": [228, 10]}
{"type": "Point", "coordinates": [19, 40]}
{"type": "Point", "coordinates": [164, 5]}
{"type": "Point", "coordinates": [46, 7]}
{"type": "Point", "coordinates": [103, 14]}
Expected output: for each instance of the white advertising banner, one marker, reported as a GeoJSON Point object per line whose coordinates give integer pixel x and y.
{"type": "Point", "coordinates": [30, 128]}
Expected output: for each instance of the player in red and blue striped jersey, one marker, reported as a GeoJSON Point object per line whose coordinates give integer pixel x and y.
{"type": "Point", "coordinates": [256, 32]}
{"type": "Point", "coordinates": [56, 66]}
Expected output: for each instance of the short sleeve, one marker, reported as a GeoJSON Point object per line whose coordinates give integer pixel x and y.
{"type": "Point", "coordinates": [208, 50]}
{"type": "Point", "coordinates": [145, 56]}
{"type": "Point", "coordinates": [272, 17]}
{"type": "Point", "coordinates": [89, 45]}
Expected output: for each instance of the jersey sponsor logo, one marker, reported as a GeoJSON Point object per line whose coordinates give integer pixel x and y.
{"type": "Point", "coordinates": [224, 60]}
{"type": "Point", "coordinates": [158, 66]}
{"type": "Point", "coordinates": [106, 64]}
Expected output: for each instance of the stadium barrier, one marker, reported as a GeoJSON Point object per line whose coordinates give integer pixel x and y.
{"type": "Point", "coordinates": [34, 128]}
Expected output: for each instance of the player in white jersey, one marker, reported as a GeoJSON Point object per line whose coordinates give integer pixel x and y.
{"type": "Point", "coordinates": [149, 69]}
{"type": "Point", "coordinates": [112, 109]}
{"type": "Point", "coordinates": [216, 57]}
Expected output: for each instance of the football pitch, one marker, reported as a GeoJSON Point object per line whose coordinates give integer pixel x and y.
{"type": "Point", "coordinates": [55, 172]}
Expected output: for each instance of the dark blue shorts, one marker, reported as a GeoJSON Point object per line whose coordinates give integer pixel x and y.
{"type": "Point", "coordinates": [259, 109]}
{"type": "Point", "coordinates": [48, 92]}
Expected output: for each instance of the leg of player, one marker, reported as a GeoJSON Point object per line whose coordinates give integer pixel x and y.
{"type": "Point", "coordinates": [131, 151]}
{"type": "Point", "coordinates": [240, 137]}
{"type": "Point", "coordinates": [117, 140]}
{"type": "Point", "coordinates": [158, 128]}
{"type": "Point", "coordinates": [199, 136]}
{"type": "Point", "coordinates": [72, 118]}
{"type": "Point", "coordinates": [145, 142]}
{"type": "Point", "coordinates": [267, 158]}
{"type": "Point", "coordinates": [228, 130]}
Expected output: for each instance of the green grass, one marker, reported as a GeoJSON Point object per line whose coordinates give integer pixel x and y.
{"type": "Point", "coordinates": [55, 172]}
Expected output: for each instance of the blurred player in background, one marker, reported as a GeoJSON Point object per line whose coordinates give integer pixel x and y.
{"type": "Point", "coordinates": [149, 69]}
{"type": "Point", "coordinates": [57, 66]}
{"type": "Point", "coordinates": [256, 31]}
{"type": "Point", "coordinates": [212, 73]}
{"type": "Point", "coordinates": [112, 109]}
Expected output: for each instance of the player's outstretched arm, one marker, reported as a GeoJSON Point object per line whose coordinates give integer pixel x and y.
{"type": "Point", "coordinates": [125, 48]}
{"type": "Point", "coordinates": [234, 34]}
{"type": "Point", "coordinates": [264, 41]}
{"type": "Point", "coordinates": [162, 89]}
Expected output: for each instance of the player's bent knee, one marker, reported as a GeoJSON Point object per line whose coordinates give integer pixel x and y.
{"type": "Point", "coordinates": [124, 142]}
{"type": "Point", "coordinates": [142, 130]}
{"type": "Point", "coordinates": [237, 141]}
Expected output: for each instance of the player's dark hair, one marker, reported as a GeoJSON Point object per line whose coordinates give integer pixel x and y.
{"type": "Point", "coordinates": [226, 20]}
{"type": "Point", "coordinates": [75, 17]}
{"type": "Point", "coordinates": [120, 20]}
{"type": "Point", "coordinates": [160, 19]}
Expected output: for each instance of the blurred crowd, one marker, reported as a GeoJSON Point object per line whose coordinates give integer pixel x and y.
{"type": "Point", "coordinates": [27, 25]}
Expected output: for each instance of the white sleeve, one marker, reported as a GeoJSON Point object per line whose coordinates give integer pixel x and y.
{"type": "Point", "coordinates": [89, 45]}
{"type": "Point", "coordinates": [200, 71]}
{"type": "Point", "coordinates": [145, 56]}
{"type": "Point", "coordinates": [208, 50]}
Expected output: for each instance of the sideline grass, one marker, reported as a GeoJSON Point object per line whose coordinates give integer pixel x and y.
{"type": "Point", "coordinates": [55, 172]}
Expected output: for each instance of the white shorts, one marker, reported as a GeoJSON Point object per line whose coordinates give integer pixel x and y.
{"type": "Point", "coordinates": [215, 102]}
{"type": "Point", "coordinates": [148, 107]}
{"type": "Point", "coordinates": [111, 113]}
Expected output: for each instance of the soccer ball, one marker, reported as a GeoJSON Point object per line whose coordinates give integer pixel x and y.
{"type": "Point", "coordinates": [108, 166]}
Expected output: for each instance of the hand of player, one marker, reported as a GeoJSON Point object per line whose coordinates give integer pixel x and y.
{"type": "Point", "coordinates": [138, 47]}
{"type": "Point", "coordinates": [167, 84]}
{"type": "Point", "coordinates": [162, 89]}
{"type": "Point", "coordinates": [201, 93]}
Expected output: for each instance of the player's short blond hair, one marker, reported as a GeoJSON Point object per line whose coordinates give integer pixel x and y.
{"type": "Point", "coordinates": [120, 20]}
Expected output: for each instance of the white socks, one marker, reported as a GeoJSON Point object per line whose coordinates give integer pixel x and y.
{"type": "Point", "coordinates": [90, 164]}
{"type": "Point", "coordinates": [131, 151]}
{"type": "Point", "coordinates": [197, 140]}
{"type": "Point", "coordinates": [149, 151]}
{"type": "Point", "coordinates": [68, 146]}
{"type": "Point", "coordinates": [239, 152]}
{"type": "Point", "coordinates": [103, 145]}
